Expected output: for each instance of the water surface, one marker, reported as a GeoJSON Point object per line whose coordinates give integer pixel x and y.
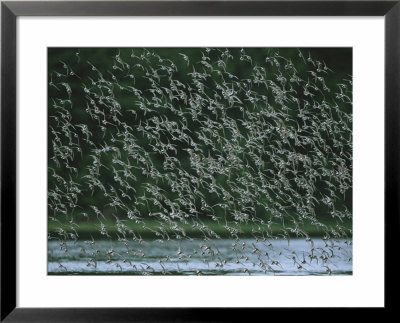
{"type": "Point", "coordinates": [199, 257]}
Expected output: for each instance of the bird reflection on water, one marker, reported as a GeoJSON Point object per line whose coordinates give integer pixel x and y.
{"type": "Point", "coordinates": [189, 258]}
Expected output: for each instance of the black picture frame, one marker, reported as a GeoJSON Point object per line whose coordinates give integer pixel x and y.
{"type": "Point", "coordinates": [11, 10]}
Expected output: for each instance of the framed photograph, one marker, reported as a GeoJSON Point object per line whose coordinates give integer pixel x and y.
{"type": "Point", "coordinates": [160, 158]}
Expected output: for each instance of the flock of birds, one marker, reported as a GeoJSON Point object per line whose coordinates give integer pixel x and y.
{"type": "Point", "coordinates": [230, 145]}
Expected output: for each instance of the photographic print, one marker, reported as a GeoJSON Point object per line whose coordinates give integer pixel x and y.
{"type": "Point", "coordinates": [200, 161]}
